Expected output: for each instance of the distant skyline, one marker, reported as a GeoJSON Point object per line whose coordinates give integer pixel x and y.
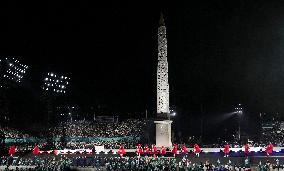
{"type": "Point", "coordinates": [220, 53]}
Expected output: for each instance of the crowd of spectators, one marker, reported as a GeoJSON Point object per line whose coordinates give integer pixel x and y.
{"type": "Point", "coordinates": [12, 133]}
{"type": "Point", "coordinates": [272, 132]}
{"type": "Point", "coordinates": [108, 133]}
{"type": "Point", "coordinates": [107, 144]}
{"type": "Point", "coordinates": [82, 128]}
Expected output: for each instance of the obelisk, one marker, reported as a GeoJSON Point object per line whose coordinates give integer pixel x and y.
{"type": "Point", "coordinates": [163, 122]}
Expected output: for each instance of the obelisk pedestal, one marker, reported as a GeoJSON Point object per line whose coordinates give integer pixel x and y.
{"type": "Point", "coordinates": [163, 133]}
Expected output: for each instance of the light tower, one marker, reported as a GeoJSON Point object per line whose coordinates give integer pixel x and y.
{"type": "Point", "coordinates": [163, 123]}
{"type": "Point", "coordinates": [55, 87]}
{"type": "Point", "coordinates": [12, 74]}
{"type": "Point", "coordinates": [239, 112]}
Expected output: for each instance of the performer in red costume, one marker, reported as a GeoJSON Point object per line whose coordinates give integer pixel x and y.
{"type": "Point", "coordinates": [36, 150]}
{"type": "Point", "coordinates": [12, 150]}
{"type": "Point", "coordinates": [269, 149]}
{"type": "Point", "coordinates": [196, 149]}
{"type": "Point", "coordinates": [163, 150]}
{"type": "Point", "coordinates": [184, 149]}
{"type": "Point", "coordinates": [56, 152]}
{"type": "Point", "coordinates": [154, 150]}
{"type": "Point", "coordinates": [139, 150]}
{"type": "Point", "coordinates": [121, 150]}
{"type": "Point", "coordinates": [227, 150]}
{"type": "Point", "coordinates": [246, 149]}
{"type": "Point", "coordinates": [174, 150]}
{"type": "Point", "coordinates": [146, 150]}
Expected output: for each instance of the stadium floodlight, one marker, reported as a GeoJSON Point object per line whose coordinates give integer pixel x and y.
{"type": "Point", "coordinates": [13, 70]}
{"type": "Point", "coordinates": [54, 82]}
{"type": "Point", "coordinates": [239, 109]}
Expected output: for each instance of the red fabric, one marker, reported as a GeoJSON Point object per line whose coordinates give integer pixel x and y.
{"type": "Point", "coordinates": [184, 149]}
{"type": "Point", "coordinates": [154, 149]}
{"type": "Point", "coordinates": [227, 149]}
{"type": "Point", "coordinates": [12, 150]}
{"type": "Point", "coordinates": [163, 150]}
{"type": "Point", "coordinates": [139, 149]}
{"type": "Point", "coordinates": [146, 150]}
{"type": "Point", "coordinates": [174, 150]}
{"type": "Point", "coordinates": [121, 150]}
{"type": "Point", "coordinates": [196, 149]}
{"type": "Point", "coordinates": [246, 149]}
{"type": "Point", "coordinates": [36, 150]}
{"type": "Point", "coordinates": [269, 149]}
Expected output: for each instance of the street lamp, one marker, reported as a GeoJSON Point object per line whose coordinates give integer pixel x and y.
{"type": "Point", "coordinates": [173, 114]}
{"type": "Point", "coordinates": [239, 112]}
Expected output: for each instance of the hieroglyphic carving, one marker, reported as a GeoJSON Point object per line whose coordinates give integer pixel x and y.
{"type": "Point", "coordinates": [162, 71]}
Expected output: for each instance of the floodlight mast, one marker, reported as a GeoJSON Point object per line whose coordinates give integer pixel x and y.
{"type": "Point", "coordinates": [239, 112]}
{"type": "Point", "coordinates": [12, 72]}
{"type": "Point", "coordinates": [54, 86]}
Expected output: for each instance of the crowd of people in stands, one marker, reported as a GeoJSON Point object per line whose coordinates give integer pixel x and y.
{"type": "Point", "coordinates": [272, 131]}
{"type": "Point", "coordinates": [129, 127]}
{"type": "Point", "coordinates": [107, 144]}
{"type": "Point", "coordinates": [82, 128]}
{"type": "Point", "coordinates": [12, 133]}
{"type": "Point", "coordinates": [110, 134]}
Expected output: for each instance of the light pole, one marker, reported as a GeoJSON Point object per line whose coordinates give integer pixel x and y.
{"type": "Point", "coordinates": [172, 114]}
{"type": "Point", "coordinates": [54, 85]}
{"type": "Point", "coordinates": [239, 112]}
{"type": "Point", "coordinates": [12, 72]}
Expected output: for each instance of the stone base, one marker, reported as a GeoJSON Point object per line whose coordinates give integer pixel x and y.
{"type": "Point", "coordinates": [163, 133]}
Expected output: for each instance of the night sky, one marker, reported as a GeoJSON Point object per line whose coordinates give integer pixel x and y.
{"type": "Point", "coordinates": [220, 53]}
